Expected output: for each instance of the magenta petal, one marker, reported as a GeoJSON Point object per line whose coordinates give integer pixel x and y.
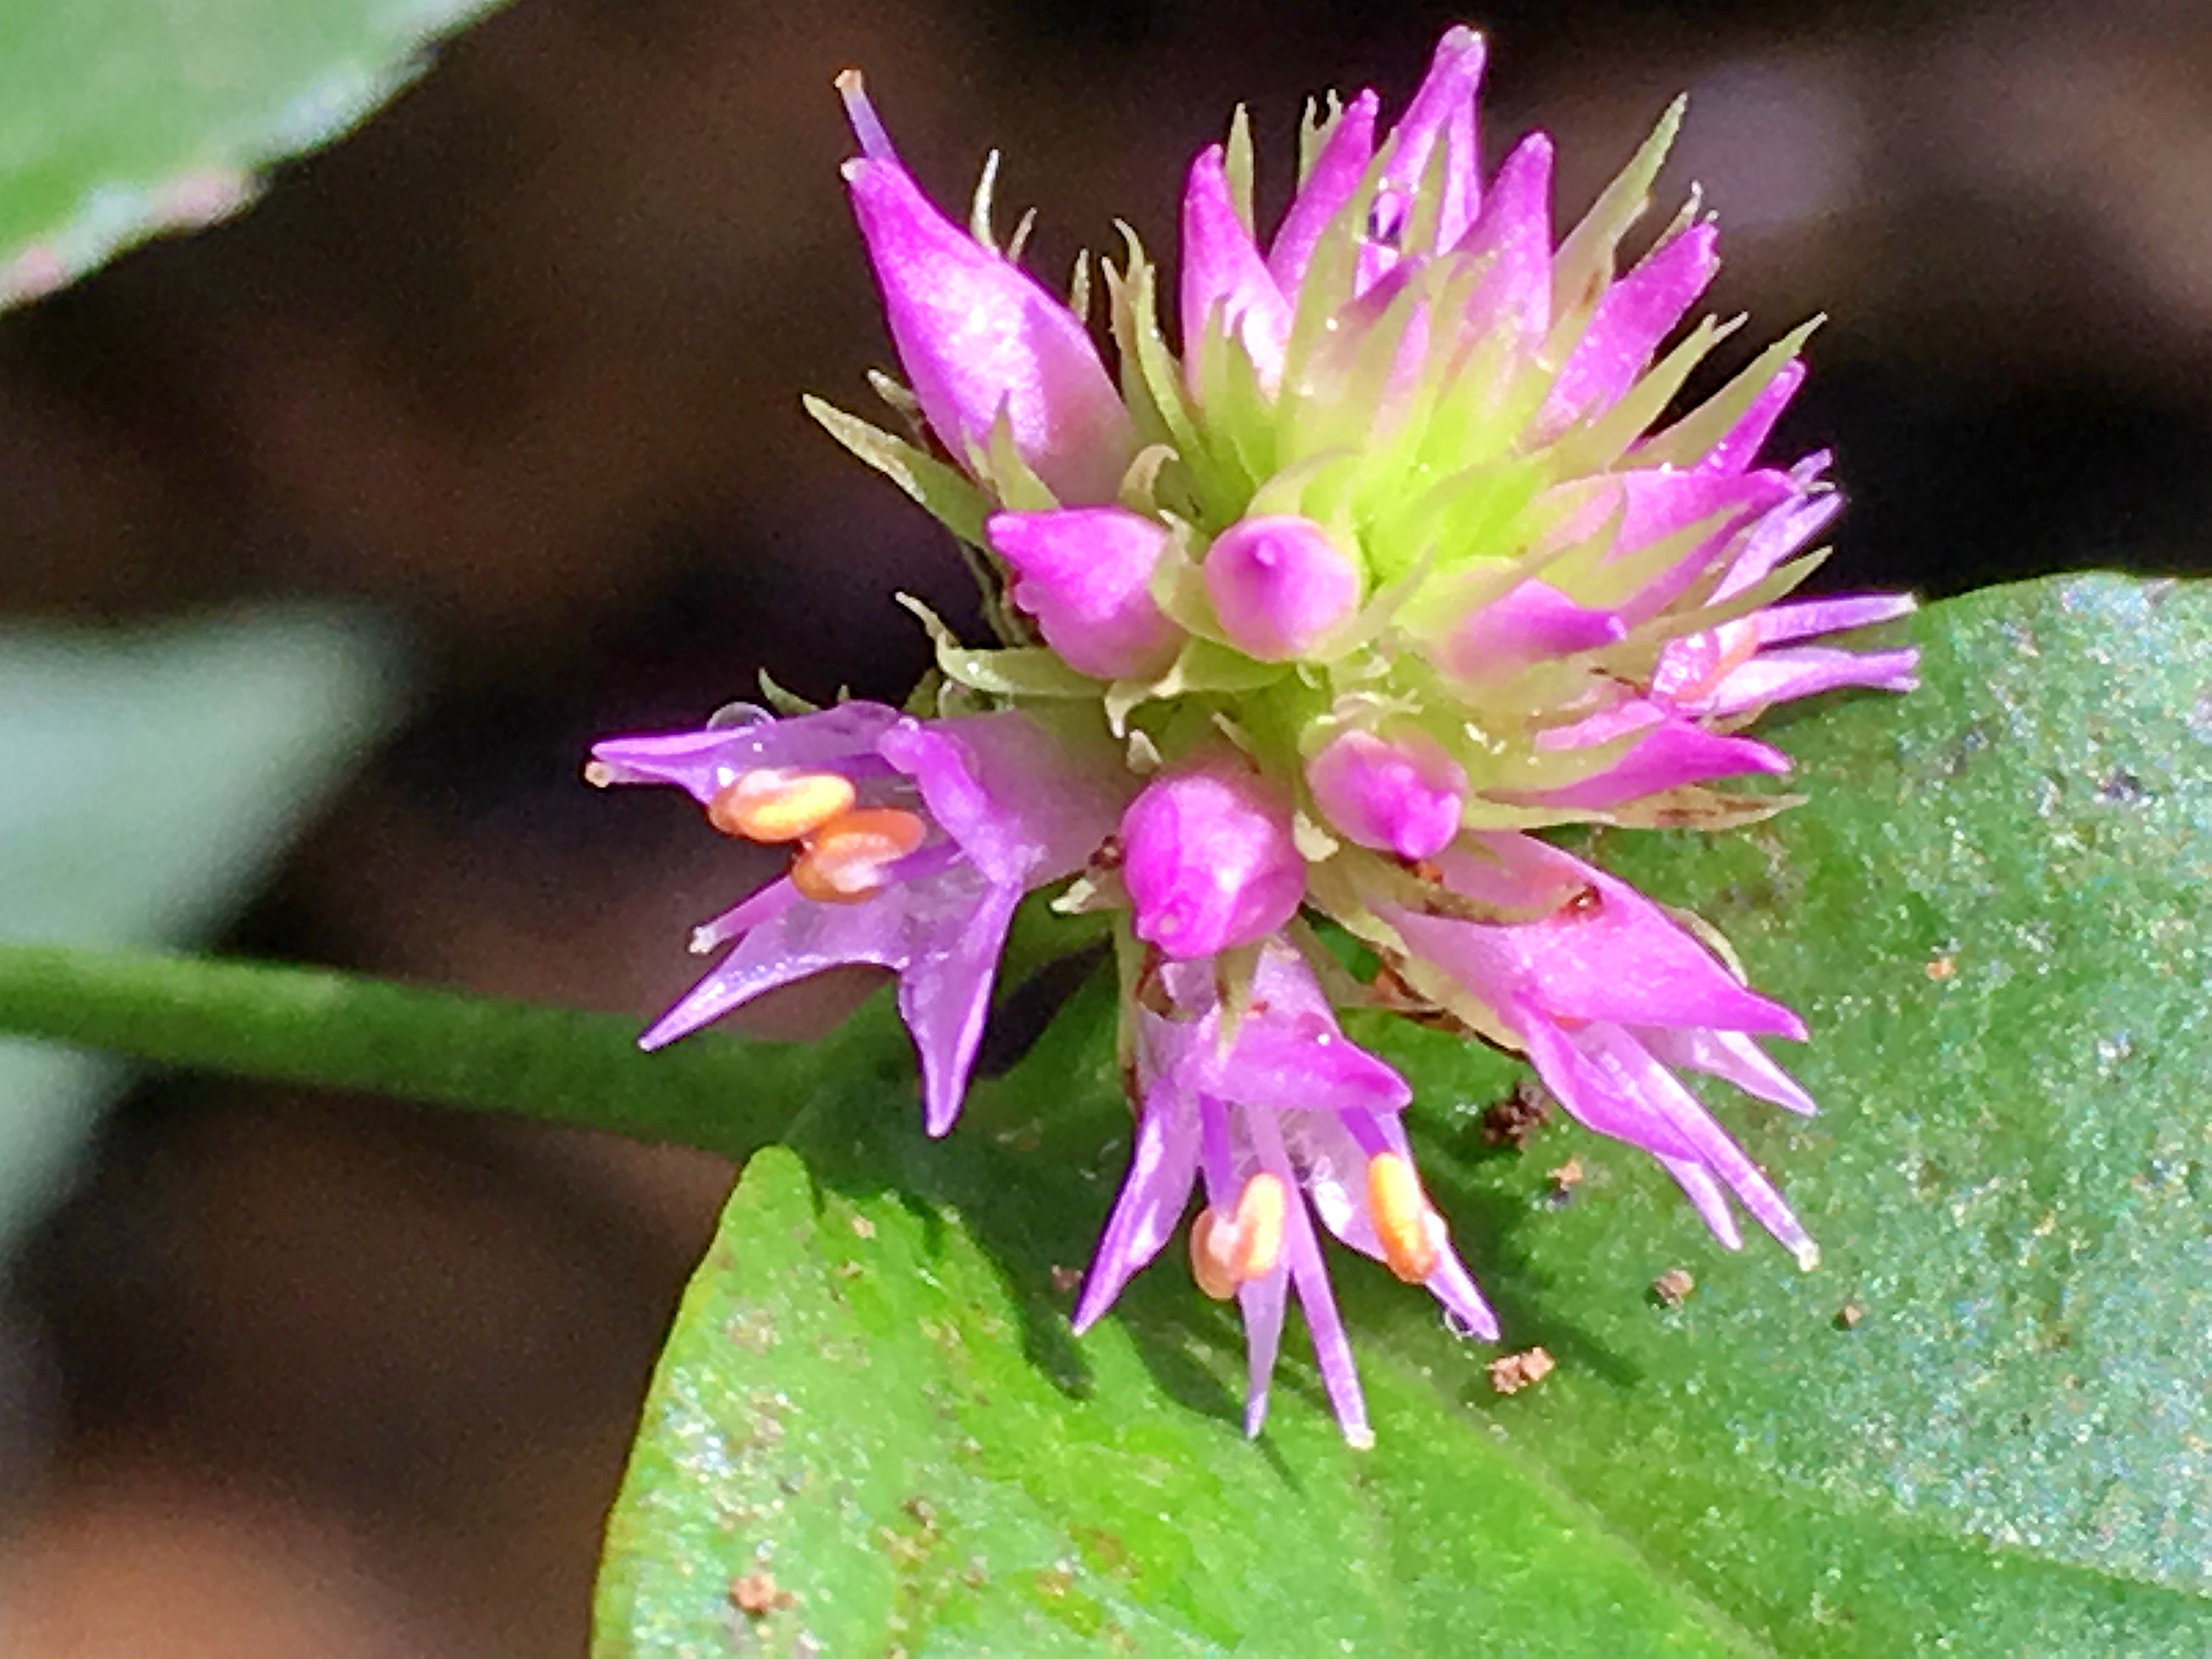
{"type": "Point", "coordinates": [1162, 1166]}
{"type": "Point", "coordinates": [1807, 617]}
{"type": "Point", "coordinates": [1513, 233]}
{"type": "Point", "coordinates": [1731, 1055]}
{"type": "Point", "coordinates": [1775, 677]}
{"type": "Point", "coordinates": [1328, 191]}
{"type": "Point", "coordinates": [945, 983]}
{"type": "Point", "coordinates": [1084, 574]}
{"type": "Point", "coordinates": [1738, 446]}
{"type": "Point", "coordinates": [1786, 528]}
{"type": "Point", "coordinates": [1274, 1063]}
{"type": "Point", "coordinates": [1593, 1097]}
{"type": "Point", "coordinates": [1706, 1198]}
{"type": "Point", "coordinates": [1443, 109]}
{"type": "Point", "coordinates": [1636, 314]}
{"type": "Point", "coordinates": [1666, 1096]}
{"type": "Point", "coordinates": [1532, 624]}
{"type": "Point", "coordinates": [803, 940]}
{"type": "Point", "coordinates": [1225, 284]}
{"type": "Point", "coordinates": [703, 763]}
{"type": "Point", "coordinates": [977, 335]}
{"type": "Point", "coordinates": [1613, 956]}
{"type": "Point", "coordinates": [1673, 753]}
{"type": "Point", "coordinates": [1025, 805]}
{"type": "Point", "coordinates": [1261, 1302]}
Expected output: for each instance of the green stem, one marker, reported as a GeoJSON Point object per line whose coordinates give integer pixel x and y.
{"type": "Point", "coordinates": [338, 1030]}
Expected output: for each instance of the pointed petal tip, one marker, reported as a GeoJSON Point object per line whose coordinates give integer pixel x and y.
{"type": "Point", "coordinates": [861, 115]}
{"type": "Point", "coordinates": [1808, 1255]}
{"type": "Point", "coordinates": [1460, 40]}
{"type": "Point", "coordinates": [1359, 1437]}
{"type": "Point", "coordinates": [1256, 1416]}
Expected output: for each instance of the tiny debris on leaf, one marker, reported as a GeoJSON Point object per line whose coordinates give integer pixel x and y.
{"type": "Point", "coordinates": [1849, 1315]}
{"type": "Point", "coordinates": [1566, 1178]}
{"type": "Point", "coordinates": [758, 1594]}
{"type": "Point", "coordinates": [863, 1227]}
{"type": "Point", "coordinates": [1942, 968]}
{"type": "Point", "coordinates": [1514, 1120]}
{"type": "Point", "coordinates": [1517, 1372]}
{"type": "Point", "coordinates": [1672, 1288]}
{"type": "Point", "coordinates": [1065, 1279]}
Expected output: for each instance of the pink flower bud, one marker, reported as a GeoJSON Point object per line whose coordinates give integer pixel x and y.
{"type": "Point", "coordinates": [1279, 585]}
{"type": "Point", "coordinates": [979, 337]}
{"type": "Point", "coordinates": [1398, 795]}
{"type": "Point", "coordinates": [1209, 861]}
{"type": "Point", "coordinates": [1084, 574]}
{"type": "Point", "coordinates": [1224, 280]}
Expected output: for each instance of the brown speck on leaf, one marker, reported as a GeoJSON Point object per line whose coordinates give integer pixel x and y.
{"type": "Point", "coordinates": [1517, 1372]}
{"type": "Point", "coordinates": [863, 1227]}
{"type": "Point", "coordinates": [1849, 1315]}
{"type": "Point", "coordinates": [1672, 1287]}
{"type": "Point", "coordinates": [1514, 1120]}
{"type": "Point", "coordinates": [1941, 968]}
{"type": "Point", "coordinates": [1065, 1279]}
{"type": "Point", "coordinates": [1566, 1178]}
{"type": "Point", "coordinates": [923, 1511]}
{"type": "Point", "coordinates": [758, 1594]}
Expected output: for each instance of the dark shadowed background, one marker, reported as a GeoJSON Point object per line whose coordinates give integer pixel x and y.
{"type": "Point", "coordinates": [518, 365]}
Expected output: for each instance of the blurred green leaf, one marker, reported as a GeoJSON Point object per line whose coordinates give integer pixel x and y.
{"type": "Point", "coordinates": [872, 1429]}
{"type": "Point", "coordinates": [120, 119]}
{"type": "Point", "coordinates": [146, 781]}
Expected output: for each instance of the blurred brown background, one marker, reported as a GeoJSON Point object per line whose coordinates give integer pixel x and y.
{"type": "Point", "coordinates": [518, 363]}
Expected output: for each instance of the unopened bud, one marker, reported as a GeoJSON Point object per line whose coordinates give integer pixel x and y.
{"type": "Point", "coordinates": [1279, 585]}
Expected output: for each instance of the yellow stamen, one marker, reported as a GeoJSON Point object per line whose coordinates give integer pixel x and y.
{"type": "Point", "coordinates": [846, 858]}
{"type": "Point", "coordinates": [1230, 1251]}
{"type": "Point", "coordinates": [1407, 1228]}
{"type": "Point", "coordinates": [776, 804]}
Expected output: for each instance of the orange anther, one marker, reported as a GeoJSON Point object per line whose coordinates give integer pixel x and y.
{"type": "Point", "coordinates": [1227, 1252]}
{"type": "Point", "coordinates": [1407, 1227]}
{"type": "Point", "coordinates": [1212, 1240]}
{"type": "Point", "coordinates": [846, 858]}
{"type": "Point", "coordinates": [776, 804]}
{"type": "Point", "coordinates": [1260, 1208]}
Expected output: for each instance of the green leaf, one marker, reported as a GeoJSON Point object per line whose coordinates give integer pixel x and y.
{"type": "Point", "coordinates": [151, 779]}
{"type": "Point", "coordinates": [1992, 916]}
{"type": "Point", "coordinates": [119, 118]}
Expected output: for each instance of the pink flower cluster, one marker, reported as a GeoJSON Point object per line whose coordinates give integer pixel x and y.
{"type": "Point", "coordinates": [1322, 619]}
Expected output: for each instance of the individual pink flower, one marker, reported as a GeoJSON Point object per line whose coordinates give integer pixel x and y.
{"type": "Point", "coordinates": [1285, 1115]}
{"type": "Point", "coordinates": [1605, 993]}
{"type": "Point", "coordinates": [914, 841]}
